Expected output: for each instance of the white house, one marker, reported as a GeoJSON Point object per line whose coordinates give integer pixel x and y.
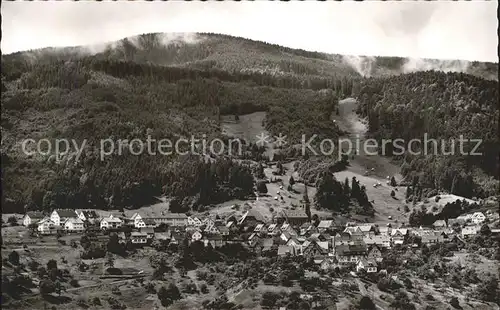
{"type": "Point", "coordinates": [468, 231]}
{"type": "Point", "coordinates": [73, 225]}
{"type": "Point", "coordinates": [111, 222]}
{"type": "Point", "coordinates": [46, 227]}
{"type": "Point", "coordinates": [138, 237]}
{"type": "Point", "coordinates": [478, 218]}
{"type": "Point", "coordinates": [32, 218]}
{"type": "Point", "coordinates": [59, 216]}
{"type": "Point", "coordinates": [369, 266]}
{"type": "Point", "coordinates": [87, 215]}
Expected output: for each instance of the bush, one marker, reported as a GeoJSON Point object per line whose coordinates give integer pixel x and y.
{"type": "Point", "coordinates": [96, 301]}
{"type": "Point", "coordinates": [365, 303]}
{"type": "Point", "coordinates": [262, 187]}
{"type": "Point", "coordinates": [74, 283]}
{"type": "Point", "coordinates": [14, 258]}
{"type": "Point", "coordinates": [114, 271]}
{"type": "Point", "coordinates": [12, 220]}
{"type": "Point", "coordinates": [455, 303]}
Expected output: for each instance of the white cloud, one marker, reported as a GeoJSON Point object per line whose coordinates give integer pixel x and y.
{"type": "Point", "coordinates": [444, 30]}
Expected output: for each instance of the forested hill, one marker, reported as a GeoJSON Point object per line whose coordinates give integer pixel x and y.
{"type": "Point", "coordinates": [236, 54]}
{"type": "Point", "coordinates": [180, 87]}
{"type": "Point", "coordinates": [443, 106]}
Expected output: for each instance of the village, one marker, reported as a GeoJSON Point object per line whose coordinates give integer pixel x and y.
{"type": "Point", "coordinates": [330, 244]}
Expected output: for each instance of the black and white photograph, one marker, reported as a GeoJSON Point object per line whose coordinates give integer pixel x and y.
{"type": "Point", "coordinates": [268, 155]}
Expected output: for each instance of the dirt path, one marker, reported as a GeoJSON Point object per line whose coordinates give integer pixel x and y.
{"type": "Point", "coordinates": [357, 128]}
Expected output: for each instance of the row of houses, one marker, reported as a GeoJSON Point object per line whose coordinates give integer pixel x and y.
{"type": "Point", "coordinates": [75, 220]}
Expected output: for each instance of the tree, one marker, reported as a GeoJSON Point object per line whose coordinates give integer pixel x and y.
{"type": "Point", "coordinates": [269, 300]}
{"type": "Point", "coordinates": [455, 303]}
{"type": "Point", "coordinates": [393, 182]}
{"type": "Point", "coordinates": [110, 260]}
{"type": "Point", "coordinates": [262, 187]}
{"type": "Point", "coordinates": [12, 220]}
{"type": "Point", "coordinates": [47, 287]}
{"type": "Point", "coordinates": [365, 303]}
{"type": "Point", "coordinates": [291, 181]}
{"type": "Point", "coordinates": [14, 258]}
{"type": "Point", "coordinates": [393, 194]}
{"type": "Point", "coordinates": [485, 230]}
{"type": "Point", "coordinates": [51, 264]}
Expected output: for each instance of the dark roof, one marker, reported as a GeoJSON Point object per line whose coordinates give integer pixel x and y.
{"type": "Point", "coordinates": [35, 215]}
{"type": "Point", "coordinates": [223, 229]}
{"type": "Point", "coordinates": [66, 213]}
{"type": "Point", "coordinates": [149, 221]}
{"type": "Point", "coordinates": [294, 214]}
{"type": "Point", "coordinates": [148, 230]}
{"type": "Point", "coordinates": [350, 249]}
{"type": "Point", "coordinates": [90, 213]}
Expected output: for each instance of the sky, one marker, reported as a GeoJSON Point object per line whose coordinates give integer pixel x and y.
{"type": "Point", "coordinates": [437, 29]}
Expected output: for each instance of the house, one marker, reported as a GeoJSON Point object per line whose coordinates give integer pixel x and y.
{"type": "Point", "coordinates": [46, 227]}
{"type": "Point", "coordinates": [150, 232]}
{"type": "Point", "coordinates": [469, 231]}
{"type": "Point", "coordinates": [59, 216]}
{"type": "Point", "coordinates": [439, 224]}
{"type": "Point", "coordinates": [293, 217]}
{"type": "Point", "coordinates": [398, 235]}
{"type": "Point", "coordinates": [251, 218]}
{"type": "Point", "coordinates": [193, 221]}
{"type": "Point", "coordinates": [353, 234]}
{"type": "Point", "coordinates": [177, 237]}
{"type": "Point", "coordinates": [464, 218]}
{"type": "Point", "coordinates": [367, 265]}
{"type": "Point", "coordinates": [170, 219]}
{"type": "Point", "coordinates": [374, 254]}
{"type": "Point", "coordinates": [259, 227]}
{"type": "Point", "coordinates": [138, 238]}
{"type": "Point", "coordinates": [87, 215]}
{"type": "Point", "coordinates": [431, 239]}
{"type": "Point", "coordinates": [196, 236]}
{"type": "Point", "coordinates": [315, 249]}
{"type": "Point", "coordinates": [326, 225]}
{"type": "Point", "coordinates": [111, 222]}
{"type": "Point", "coordinates": [284, 250]}
{"type": "Point", "coordinates": [32, 218]}
{"type": "Point", "coordinates": [381, 241]}
{"type": "Point", "coordinates": [215, 241]}
{"type": "Point", "coordinates": [368, 229]}
{"type": "Point", "coordinates": [350, 253]}
{"type": "Point", "coordinates": [73, 225]}
{"type": "Point", "coordinates": [223, 230]}
{"type": "Point", "coordinates": [478, 218]}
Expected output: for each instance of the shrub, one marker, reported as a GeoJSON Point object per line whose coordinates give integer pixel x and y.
{"type": "Point", "coordinates": [14, 258]}
{"type": "Point", "coordinates": [12, 220]}
{"type": "Point", "coordinates": [74, 283]}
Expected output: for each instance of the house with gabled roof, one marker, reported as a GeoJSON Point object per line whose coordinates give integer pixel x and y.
{"type": "Point", "coordinates": [378, 240]}
{"type": "Point", "coordinates": [368, 265]}
{"type": "Point", "coordinates": [73, 225]}
{"type": "Point", "coordinates": [59, 216]}
{"type": "Point", "coordinates": [111, 222]}
{"type": "Point", "coordinates": [374, 253]}
{"type": "Point", "coordinates": [87, 215]}
{"type": "Point", "coordinates": [478, 218]}
{"type": "Point", "coordinates": [32, 217]}
{"type": "Point", "coordinates": [439, 224]}
{"type": "Point", "coordinates": [284, 250]}
{"type": "Point", "coordinates": [326, 225]}
{"type": "Point", "coordinates": [350, 253]}
{"type": "Point", "coordinates": [251, 218]}
{"type": "Point", "coordinates": [293, 217]}
{"type": "Point", "coordinates": [193, 221]}
{"type": "Point", "coordinates": [46, 226]}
